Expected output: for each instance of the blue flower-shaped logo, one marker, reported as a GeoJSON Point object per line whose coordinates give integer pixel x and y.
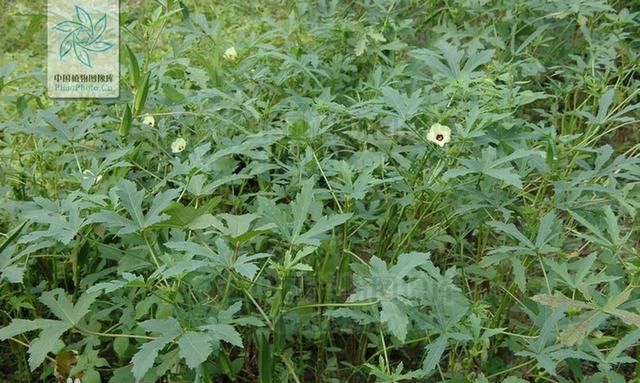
{"type": "Point", "coordinates": [83, 36]}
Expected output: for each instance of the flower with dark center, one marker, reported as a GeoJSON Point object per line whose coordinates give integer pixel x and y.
{"type": "Point", "coordinates": [439, 134]}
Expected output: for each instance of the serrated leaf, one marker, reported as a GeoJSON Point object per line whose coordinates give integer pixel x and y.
{"type": "Point", "coordinates": [300, 207]}
{"type": "Point", "coordinates": [268, 209]}
{"type": "Point", "coordinates": [57, 301]}
{"type": "Point", "coordinates": [184, 267]}
{"type": "Point", "coordinates": [45, 343]}
{"type": "Point", "coordinates": [626, 342]}
{"type": "Point", "coordinates": [143, 360]}
{"type": "Point", "coordinates": [513, 231]}
{"type": "Point", "coordinates": [436, 349]}
{"type": "Point", "coordinates": [195, 348]}
{"type": "Point", "coordinates": [160, 203]}
{"type": "Point", "coordinates": [107, 287]}
{"type": "Point", "coordinates": [195, 249]}
{"type": "Point", "coordinates": [20, 326]}
{"type": "Point", "coordinates": [114, 221]}
{"type": "Point", "coordinates": [395, 318]}
{"type": "Point", "coordinates": [627, 317]}
{"type": "Point", "coordinates": [224, 332]}
{"type": "Point", "coordinates": [558, 300]}
{"type": "Point", "coordinates": [576, 333]}
{"type": "Point", "coordinates": [505, 174]}
{"type": "Point", "coordinates": [236, 225]}
{"type": "Point", "coordinates": [519, 274]}
{"type": "Point", "coordinates": [361, 46]}
{"type": "Point", "coordinates": [12, 236]}
{"type": "Point", "coordinates": [545, 231]}
{"type": "Point", "coordinates": [407, 262]}
{"type": "Point", "coordinates": [324, 224]}
{"type": "Point", "coordinates": [244, 266]}
{"type": "Point", "coordinates": [131, 198]}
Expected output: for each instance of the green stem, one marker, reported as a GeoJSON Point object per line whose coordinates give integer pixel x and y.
{"type": "Point", "coordinates": [94, 333]}
{"type": "Point", "coordinates": [528, 362]}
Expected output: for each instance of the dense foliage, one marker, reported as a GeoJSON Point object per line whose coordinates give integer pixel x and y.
{"type": "Point", "coordinates": [264, 202]}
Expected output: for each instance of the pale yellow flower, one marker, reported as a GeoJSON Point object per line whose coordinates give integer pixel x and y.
{"type": "Point", "coordinates": [439, 134]}
{"type": "Point", "coordinates": [230, 54]}
{"type": "Point", "coordinates": [178, 145]}
{"type": "Point", "coordinates": [149, 120]}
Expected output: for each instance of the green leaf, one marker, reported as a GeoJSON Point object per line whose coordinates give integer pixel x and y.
{"type": "Point", "coordinates": [576, 333]}
{"type": "Point", "coordinates": [181, 216]}
{"type": "Point", "coordinates": [195, 347]}
{"type": "Point", "coordinates": [244, 266]}
{"type": "Point", "coordinates": [558, 300]}
{"type": "Point", "coordinates": [143, 360]}
{"type": "Point", "coordinates": [407, 262]}
{"type": "Point", "coordinates": [395, 318]}
{"type": "Point", "coordinates": [300, 207]}
{"type": "Point", "coordinates": [436, 349]}
{"type": "Point", "coordinates": [548, 330]}
{"type": "Point", "coordinates": [599, 237]}
{"type": "Point", "coordinates": [236, 225]}
{"type": "Point", "coordinates": [20, 326]}
{"type": "Point", "coordinates": [202, 222]}
{"type": "Point", "coordinates": [513, 231]}
{"type": "Point", "coordinates": [120, 346]}
{"type": "Point", "coordinates": [505, 174]}
{"type": "Point", "coordinates": [627, 317]}
{"type": "Point", "coordinates": [545, 230]}
{"type": "Point", "coordinates": [626, 342]}
{"type": "Point", "coordinates": [224, 332]}
{"type": "Point", "coordinates": [405, 106]}
{"type": "Point", "coordinates": [131, 198]}
{"type": "Point", "coordinates": [457, 172]}
{"type": "Point", "coordinates": [274, 214]}
{"type": "Point", "coordinates": [195, 249]}
{"type": "Point", "coordinates": [265, 359]}
{"type": "Point", "coordinates": [13, 273]}
{"type": "Point", "coordinates": [519, 274]}
{"type": "Point", "coordinates": [57, 301]}
{"type": "Point", "coordinates": [45, 343]}
{"type": "Point", "coordinates": [12, 236]}
{"type": "Point", "coordinates": [172, 94]}
{"type": "Point", "coordinates": [324, 224]}
{"type": "Point", "coordinates": [114, 221]}
{"type": "Point", "coordinates": [160, 203]}
{"type": "Point", "coordinates": [361, 45]}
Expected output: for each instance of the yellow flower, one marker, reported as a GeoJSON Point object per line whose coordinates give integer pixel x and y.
{"type": "Point", "coordinates": [439, 134]}
{"type": "Point", "coordinates": [178, 145]}
{"type": "Point", "coordinates": [230, 54]}
{"type": "Point", "coordinates": [149, 120]}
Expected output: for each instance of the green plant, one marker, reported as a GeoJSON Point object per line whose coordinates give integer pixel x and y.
{"type": "Point", "coordinates": [264, 202]}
